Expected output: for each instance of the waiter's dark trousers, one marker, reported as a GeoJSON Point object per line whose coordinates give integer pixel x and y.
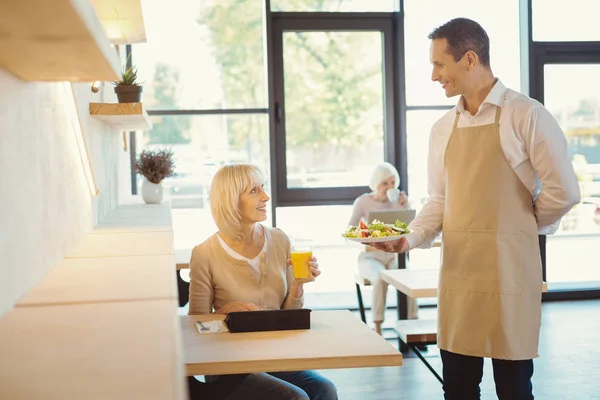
{"type": "Point", "coordinates": [462, 376]}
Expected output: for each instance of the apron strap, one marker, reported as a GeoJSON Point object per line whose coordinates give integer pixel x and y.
{"type": "Point", "coordinates": [455, 121]}
{"type": "Point", "coordinates": [497, 115]}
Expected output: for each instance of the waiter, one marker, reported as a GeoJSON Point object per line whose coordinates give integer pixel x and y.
{"type": "Point", "coordinates": [499, 174]}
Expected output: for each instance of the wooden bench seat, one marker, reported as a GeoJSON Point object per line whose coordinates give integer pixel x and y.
{"type": "Point", "coordinates": [417, 331]}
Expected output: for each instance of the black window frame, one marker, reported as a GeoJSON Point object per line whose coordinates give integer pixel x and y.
{"type": "Point", "coordinates": [318, 22]}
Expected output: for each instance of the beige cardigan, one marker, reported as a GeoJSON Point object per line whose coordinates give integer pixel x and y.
{"type": "Point", "coordinates": [216, 278]}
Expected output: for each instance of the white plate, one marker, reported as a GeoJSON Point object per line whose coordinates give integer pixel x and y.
{"type": "Point", "coordinates": [376, 239]}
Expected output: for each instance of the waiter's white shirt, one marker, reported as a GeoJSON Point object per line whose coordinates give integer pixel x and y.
{"type": "Point", "coordinates": [534, 146]}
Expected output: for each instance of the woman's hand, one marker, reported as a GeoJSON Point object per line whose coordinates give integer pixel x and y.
{"type": "Point", "coordinates": [297, 290]}
{"type": "Point", "coordinates": [403, 200]}
{"type": "Point", "coordinates": [235, 306]}
{"type": "Point", "coordinates": [314, 271]}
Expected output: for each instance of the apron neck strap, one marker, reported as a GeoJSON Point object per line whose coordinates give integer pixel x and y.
{"type": "Point", "coordinates": [456, 121]}
{"type": "Point", "coordinates": [498, 108]}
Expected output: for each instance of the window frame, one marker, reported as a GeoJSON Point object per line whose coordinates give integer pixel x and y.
{"type": "Point", "coordinates": [356, 22]}
{"type": "Point", "coordinates": [540, 54]}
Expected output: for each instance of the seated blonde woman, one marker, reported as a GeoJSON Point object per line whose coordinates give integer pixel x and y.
{"type": "Point", "coordinates": [246, 266]}
{"type": "Point", "coordinates": [372, 261]}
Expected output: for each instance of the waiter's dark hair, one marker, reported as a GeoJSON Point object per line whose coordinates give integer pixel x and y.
{"type": "Point", "coordinates": [464, 35]}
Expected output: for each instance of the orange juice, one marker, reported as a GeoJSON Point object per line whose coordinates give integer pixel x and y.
{"type": "Point", "coordinates": [300, 260]}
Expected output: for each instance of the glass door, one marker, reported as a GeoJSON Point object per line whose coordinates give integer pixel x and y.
{"type": "Point", "coordinates": [334, 105]}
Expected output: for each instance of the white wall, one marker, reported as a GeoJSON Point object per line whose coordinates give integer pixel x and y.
{"type": "Point", "coordinates": [45, 204]}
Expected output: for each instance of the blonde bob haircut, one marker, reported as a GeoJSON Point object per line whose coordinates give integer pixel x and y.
{"type": "Point", "coordinates": [381, 173]}
{"type": "Point", "coordinates": [228, 185]}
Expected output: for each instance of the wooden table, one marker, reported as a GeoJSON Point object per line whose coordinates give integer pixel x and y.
{"type": "Point", "coordinates": [415, 283]}
{"type": "Point", "coordinates": [337, 339]}
{"type": "Point", "coordinates": [418, 282]}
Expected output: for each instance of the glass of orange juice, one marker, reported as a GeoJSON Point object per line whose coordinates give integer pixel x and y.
{"type": "Point", "coordinates": [301, 255]}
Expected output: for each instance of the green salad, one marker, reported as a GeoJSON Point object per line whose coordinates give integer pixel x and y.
{"type": "Point", "coordinates": [376, 229]}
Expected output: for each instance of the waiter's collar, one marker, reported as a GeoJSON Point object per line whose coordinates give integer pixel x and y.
{"type": "Point", "coordinates": [494, 97]}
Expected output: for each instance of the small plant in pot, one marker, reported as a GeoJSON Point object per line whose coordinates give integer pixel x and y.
{"type": "Point", "coordinates": [154, 166]}
{"type": "Point", "coordinates": [128, 90]}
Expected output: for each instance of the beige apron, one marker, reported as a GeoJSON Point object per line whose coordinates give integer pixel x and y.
{"type": "Point", "coordinates": [489, 297]}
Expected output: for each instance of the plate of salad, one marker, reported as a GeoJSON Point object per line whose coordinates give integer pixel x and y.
{"type": "Point", "coordinates": [377, 231]}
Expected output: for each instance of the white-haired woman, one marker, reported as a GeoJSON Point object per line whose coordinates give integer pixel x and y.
{"type": "Point", "coordinates": [246, 266]}
{"type": "Point", "coordinates": [372, 261]}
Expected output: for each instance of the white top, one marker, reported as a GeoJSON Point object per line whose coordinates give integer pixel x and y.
{"type": "Point", "coordinates": [534, 145]}
{"type": "Point", "coordinates": [253, 263]}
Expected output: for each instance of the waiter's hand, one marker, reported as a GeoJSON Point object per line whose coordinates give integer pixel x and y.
{"type": "Point", "coordinates": [395, 246]}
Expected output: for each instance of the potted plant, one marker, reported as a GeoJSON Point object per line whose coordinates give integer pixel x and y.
{"type": "Point", "coordinates": [128, 90]}
{"type": "Point", "coordinates": [154, 166]}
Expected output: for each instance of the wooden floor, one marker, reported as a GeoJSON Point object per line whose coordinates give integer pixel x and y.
{"type": "Point", "coordinates": [568, 367]}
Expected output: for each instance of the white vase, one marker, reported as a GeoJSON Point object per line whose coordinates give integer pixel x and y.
{"type": "Point", "coordinates": [152, 193]}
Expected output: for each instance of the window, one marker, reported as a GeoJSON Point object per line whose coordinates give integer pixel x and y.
{"type": "Point", "coordinates": [201, 145]}
{"type": "Point", "coordinates": [333, 107]}
{"type": "Point", "coordinates": [203, 72]}
{"type": "Point", "coordinates": [501, 22]}
{"type": "Point", "coordinates": [571, 94]}
{"type": "Point", "coordinates": [202, 55]}
{"type": "Point", "coordinates": [557, 20]}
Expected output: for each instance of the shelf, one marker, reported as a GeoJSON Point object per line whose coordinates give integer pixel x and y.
{"type": "Point", "coordinates": [125, 116]}
{"type": "Point", "coordinates": [59, 40]}
{"type": "Point", "coordinates": [123, 20]}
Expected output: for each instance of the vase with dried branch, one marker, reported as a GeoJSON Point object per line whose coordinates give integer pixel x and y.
{"type": "Point", "coordinates": [154, 166]}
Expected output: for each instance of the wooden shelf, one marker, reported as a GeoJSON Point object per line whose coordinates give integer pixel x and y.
{"type": "Point", "coordinates": [125, 116]}
{"type": "Point", "coordinates": [123, 20]}
{"type": "Point", "coordinates": [59, 40]}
